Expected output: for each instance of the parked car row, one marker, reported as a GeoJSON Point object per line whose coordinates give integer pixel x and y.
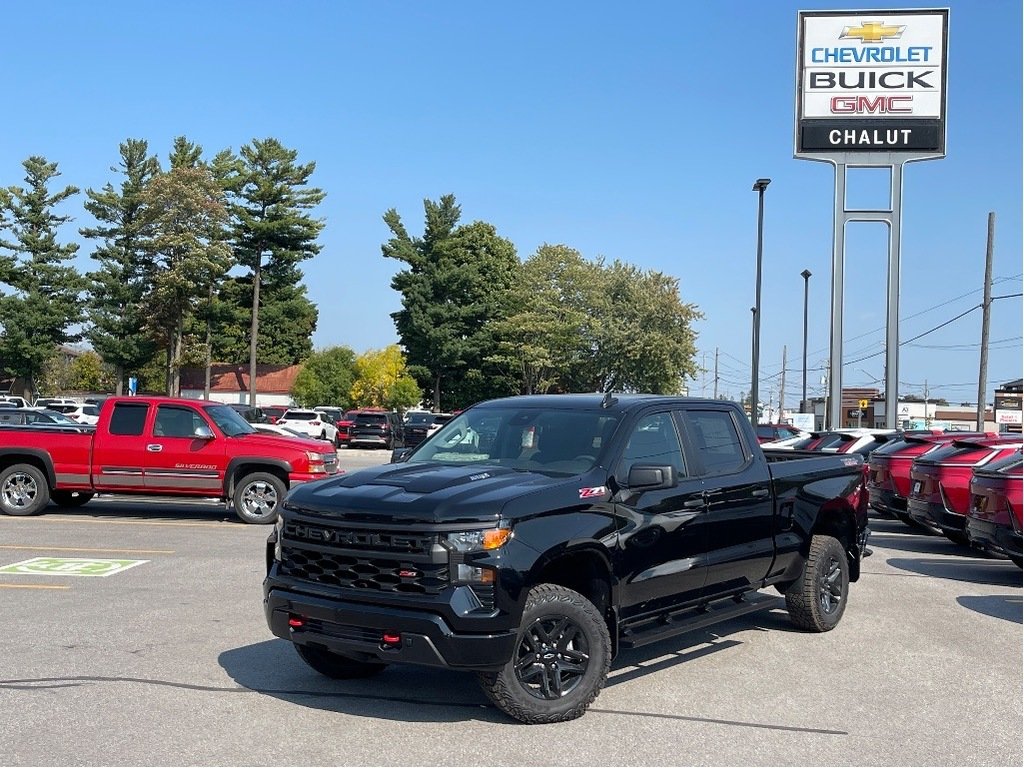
{"type": "Point", "coordinates": [965, 486]}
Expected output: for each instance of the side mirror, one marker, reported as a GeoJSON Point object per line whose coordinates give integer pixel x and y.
{"type": "Point", "coordinates": [398, 455]}
{"type": "Point", "coordinates": [203, 432]}
{"type": "Point", "coordinates": [650, 477]}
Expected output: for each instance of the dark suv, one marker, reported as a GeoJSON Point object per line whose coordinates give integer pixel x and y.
{"type": "Point", "coordinates": [377, 428]}
{"type": "Point", "coordinates": [250, 414]}
{"type": "Point", "coordinates": [420, 426]}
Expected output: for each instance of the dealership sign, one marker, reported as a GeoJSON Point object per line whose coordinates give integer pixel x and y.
{"type": "Point", "coordinates": [871, 81]}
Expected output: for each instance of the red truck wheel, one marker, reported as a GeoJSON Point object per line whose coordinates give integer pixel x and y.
{"type": "Point", "coordinates": [258, 496]}
{"type": "Point", "coordinates": [23, 490]}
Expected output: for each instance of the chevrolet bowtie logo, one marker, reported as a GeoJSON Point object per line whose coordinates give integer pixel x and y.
{"type": "Point", "coordinates": [873, 31]}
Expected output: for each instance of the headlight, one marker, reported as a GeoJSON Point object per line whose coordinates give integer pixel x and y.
{"type": "Point", "coordinates": [469, 541]}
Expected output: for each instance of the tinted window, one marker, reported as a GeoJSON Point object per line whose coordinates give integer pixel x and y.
{"type": "Point", "coordinates": [654, 441]}
{"type": "Point", "coordinates": [716, 440]}
{"type": "Point", "coordinates": [12, 417]}
{"type": "Point", "coordinates": [91, 410]}
{"type": "Point", "coordinates": [766, 431]}
{"type": "Point", "coordinates": [228, 421]}
{"type": "Point", "coordinates": [128, 419]}
{"type": "Point", "coordinates": [175, 421]}
{"type": "Point", "coordinates": [302, 416]}
{"type": "Point", "coordinates": [371, 419]}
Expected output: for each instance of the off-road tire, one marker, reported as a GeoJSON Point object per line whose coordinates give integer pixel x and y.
{"type": "Point", "coordinates": [579, 648]}
{"type": "Point", "coordinates": [816, 601]}
{"type": "Point", "coordinates": [24, 490]}
{"type": "Point", "coordinates": [70, 499]}
{"type": "Point", "coordinates": [257, 498]}
{"type": "Point", "coordinates": [335, 665]}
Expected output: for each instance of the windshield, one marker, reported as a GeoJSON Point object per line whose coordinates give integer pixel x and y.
{"type": "Point", "coordinates": [533, 439]}
{"type": "Point", "coordinates": [419, 418]}
{"type": "Point", "coordinates": [229, 421]}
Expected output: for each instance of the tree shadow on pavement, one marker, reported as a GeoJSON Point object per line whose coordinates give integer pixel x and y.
{"type": "Point", "coordinates": [1009, 607]}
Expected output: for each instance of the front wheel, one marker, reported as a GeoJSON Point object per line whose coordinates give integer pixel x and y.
{"type": "Point", "coordinates": [561, 659]}
{"type": "Point", "coordinates": [23, 490]}
{"type": "Point", "coordinates": [258, 497]}
{"type": "Point", "coordinates": [817, 599]}
{"type": "Point", "coordinates": [335, 665]}
{"type": "Point", "coordinates": [70, 499]}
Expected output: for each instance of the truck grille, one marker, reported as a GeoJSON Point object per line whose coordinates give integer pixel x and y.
{"type": "Point", "coordinates": [371, 560]}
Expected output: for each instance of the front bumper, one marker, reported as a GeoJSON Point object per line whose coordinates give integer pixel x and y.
{"type": "Point", "coordinates": [357, 630]}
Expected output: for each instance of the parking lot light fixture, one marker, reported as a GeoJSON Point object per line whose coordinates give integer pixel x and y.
{"type": "Point", "coordinates": [759, 186]}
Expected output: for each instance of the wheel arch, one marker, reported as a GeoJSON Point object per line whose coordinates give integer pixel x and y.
{"type": "Point", "coordinates": [838, 519]}
{"type": "Point", "coordinates": [583, 567]}
{"type": "Point", "coordinates": [40, 459]}
{"type": "Point", "coordinates": [241, 466]}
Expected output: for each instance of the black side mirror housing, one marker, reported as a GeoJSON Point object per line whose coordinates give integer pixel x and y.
{"type": "Point", "coordinates": [651, 477]}
{"type": "Point", "coordinates": [398, 455]}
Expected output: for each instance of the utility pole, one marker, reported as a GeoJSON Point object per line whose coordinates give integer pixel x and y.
{"type": "Point", "coordinates": [716, 373]}
{"type": "Point", "coordinates": [927, 421]}
{"type": "Point", "coordinates": [782, 389]}
{"type": "Point", "coordinates": [986, 312]}
{"type": "Point", "coordinates": [703, 374]}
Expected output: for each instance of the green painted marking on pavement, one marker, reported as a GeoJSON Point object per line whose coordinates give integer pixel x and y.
{"type": "Point", "coordinates": [70, 566]}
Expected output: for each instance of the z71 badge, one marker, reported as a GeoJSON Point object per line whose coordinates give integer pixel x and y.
{"type": "Point", "coordinates": [590, 493]}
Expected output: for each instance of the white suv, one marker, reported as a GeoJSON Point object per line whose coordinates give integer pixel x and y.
{"type": "Point", "coordinates": [83, 413]}
{"type": "Point", "coordinates": [310, 423]}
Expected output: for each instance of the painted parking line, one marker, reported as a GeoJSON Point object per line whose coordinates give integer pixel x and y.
{"type": "Point", "coordinates": [165, 523]}
{"type": "Point", "coordinates": [88, 549]}
{"type": "Point", "coordinates": [34, 586]}
{"type": "Point", "coordinates": [69, 566]}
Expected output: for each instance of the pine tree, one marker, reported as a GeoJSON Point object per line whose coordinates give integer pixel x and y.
{"type": "Point", "coordinates": [272, 232]}
{"type": "Point", "coordinates": [119, 286]}
{"type": "Point", "coordinates": [45, 302]}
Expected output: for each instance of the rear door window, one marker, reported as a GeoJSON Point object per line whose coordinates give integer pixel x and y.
{"type": "Point", "coordinates": [716, 441]}
{"type": "Point", "coordinates": [128, 418]}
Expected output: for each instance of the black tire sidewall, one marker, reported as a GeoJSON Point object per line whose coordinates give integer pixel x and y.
{"type": "Point", "coordinates": [42, 490]}
{"type": "Point", "coordinates": [67, 499]}
{"type": "Point", "coordinates": [504, 687]}
{"type": "Point", "coordinates": [803, 599]}
{"type": "Point", "coordinates": [247, 480]}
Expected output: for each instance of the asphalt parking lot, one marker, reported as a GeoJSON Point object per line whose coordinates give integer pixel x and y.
{"type": "Point", "coordinates": [169, 662]}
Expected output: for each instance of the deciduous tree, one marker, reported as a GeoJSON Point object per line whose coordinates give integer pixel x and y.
{"type": "Point", "coordinates": [382, 380]}
{"type": "Point", "coordinates": [326, 378]}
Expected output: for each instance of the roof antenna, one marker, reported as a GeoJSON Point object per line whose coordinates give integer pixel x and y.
{"type": "Point", "coordinates": [608, 401]}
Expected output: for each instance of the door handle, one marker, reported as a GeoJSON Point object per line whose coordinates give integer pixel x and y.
{"type": "Point", "coordinates": [760, 493]}
{"type": "Point", "coordinates": [154, 447]}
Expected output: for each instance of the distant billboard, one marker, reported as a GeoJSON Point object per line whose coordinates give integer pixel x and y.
{"type": "Point", "coordinates": [871, 81]}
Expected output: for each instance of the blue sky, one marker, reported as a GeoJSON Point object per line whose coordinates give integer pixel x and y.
{"type": "Point", "coordinates": [627, 131]}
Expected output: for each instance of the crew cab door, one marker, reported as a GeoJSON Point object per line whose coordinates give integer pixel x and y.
{"type": "Point", "coordinates": [737, 485]}
{"type": "Point", "coordinates": [662, 538]}
{"type": "Point", "coordinates": [177, 460]}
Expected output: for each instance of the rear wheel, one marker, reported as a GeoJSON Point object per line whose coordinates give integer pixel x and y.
{"type": "Point", "coordinates": [816, 601]}
{"type": "Point", "coordinates": [335, 665]}
{"type": "Point", "coordinates": [258, 497]}
{"type": "Point", "coordinates": [70, 499]}
{"type": "Point", "coordinates": [561, 659]}
{"type": "Point", "coordinates": [23, 490]}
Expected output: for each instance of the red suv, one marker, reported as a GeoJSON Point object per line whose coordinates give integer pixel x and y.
{"type": "Point", "coordinates": [994, 518]}
{"type": "Point", "coordinates": [889, 469]}
{"type": "Point", "coordinates": [940, 483]}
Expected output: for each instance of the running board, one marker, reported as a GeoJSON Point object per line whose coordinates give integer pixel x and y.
{"type": "Point", "coordinates": [669, 625]}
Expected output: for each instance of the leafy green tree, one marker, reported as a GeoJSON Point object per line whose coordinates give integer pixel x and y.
{"type": "Point", "coordinates": [382, 380]}
{"type": "Point", "coordinates": [456, 286]}
{"type": "Point", "coordinates": [118, 288]}
{"type": "Point", "coordinates": [90, 374]}
{"type": "Point", "coordinates": [273, 231]}
{"type": "Point", "coordinates": [644, 340]}
{"type": "Point", "coordinates": [45, 302]}
{"type": "Point", "coordinates": [185, 210]}
{"type": "Point", "coordinates": [551, 328]}
{"type": "Point", "coordinates": [326, 378]}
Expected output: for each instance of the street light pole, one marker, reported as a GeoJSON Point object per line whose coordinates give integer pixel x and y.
{"type": "Point", "coordinates": [759, 186]}
{"type": "Point", "coordinates": [806, 275]}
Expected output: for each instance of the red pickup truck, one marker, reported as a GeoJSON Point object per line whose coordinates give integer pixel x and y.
{"type": "Point", "coordinates": [158, 446]}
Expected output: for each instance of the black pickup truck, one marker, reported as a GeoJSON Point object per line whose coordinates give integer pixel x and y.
{"type": "Point", "coordinates": [532, 537]}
